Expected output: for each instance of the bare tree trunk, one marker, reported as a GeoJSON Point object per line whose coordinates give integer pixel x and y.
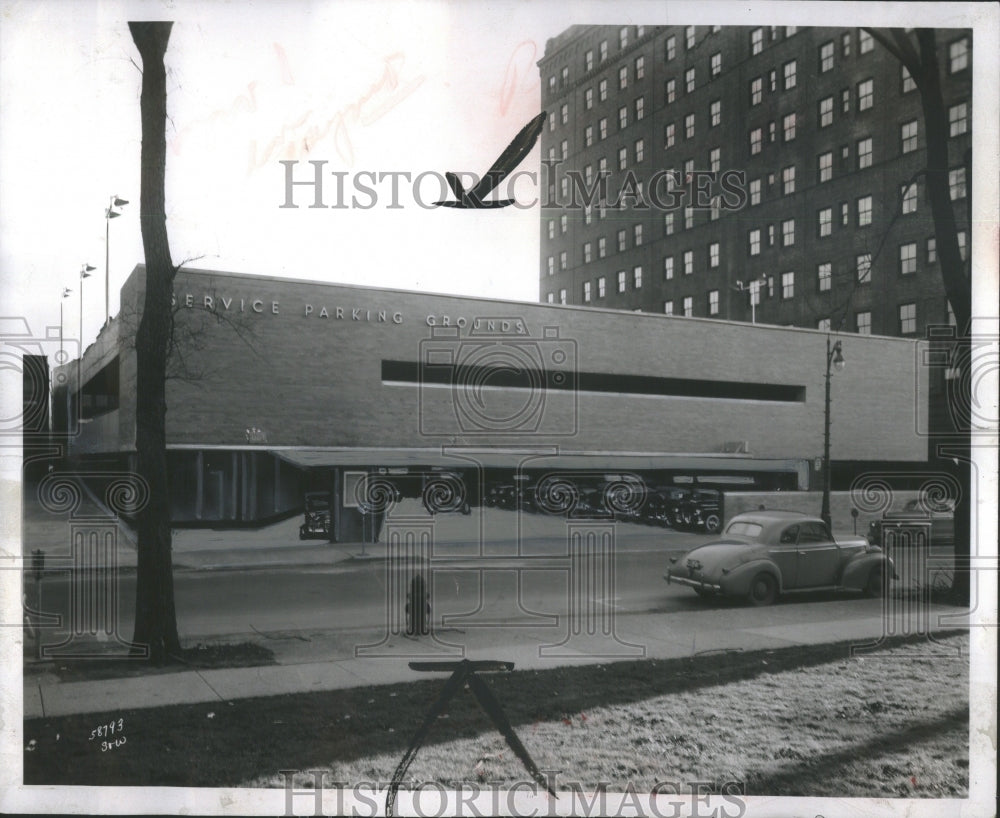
{"type": "Point", "coordinates": [921, 60]}
{"type": "Point", "coordinates": [155, 616]}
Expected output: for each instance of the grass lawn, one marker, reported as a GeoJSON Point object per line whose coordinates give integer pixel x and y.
{"type": "Point", "coordinates": [805, 720]}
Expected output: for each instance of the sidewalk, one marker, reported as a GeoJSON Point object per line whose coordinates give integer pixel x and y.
{"type": "Point", "coordinates": [385, 659]}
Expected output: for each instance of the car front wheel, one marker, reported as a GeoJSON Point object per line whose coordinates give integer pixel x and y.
{"type": "Point", "coordinates": [712, 523]}
{"type": "Point", "coordinates": [875, 587]}
{"type": "Point", "coordinates": [763, 590]}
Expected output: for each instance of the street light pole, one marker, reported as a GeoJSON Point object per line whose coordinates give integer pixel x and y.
{"type": "Point", "coordinates": [836, 359]}
{"type": "Point", "coordinates": [85, 271]}
{"type": "Point", "coordinates": [109, 214]}
{"type": "Point", "coordinates": [65, 294]}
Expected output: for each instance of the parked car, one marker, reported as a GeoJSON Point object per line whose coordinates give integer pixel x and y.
{"type": "Point", "coordinates": [317, 516]}
{"type": "Point", "coordinates": [701, 510]}
{"type": "Point", "coordinates": [763, 554]}
{"type": "Point", "coordinates": [941, 515]}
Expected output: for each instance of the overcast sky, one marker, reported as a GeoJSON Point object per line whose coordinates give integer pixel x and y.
{"type": "Point", "coordinates": [384, 87]}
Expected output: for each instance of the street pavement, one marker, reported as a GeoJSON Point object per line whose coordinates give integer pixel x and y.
{"type": "Point", "coordinates": [345, 655]}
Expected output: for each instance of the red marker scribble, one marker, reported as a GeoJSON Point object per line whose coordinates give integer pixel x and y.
{"type": "Point", "coordinates": [913, 780]}
{"type": "Point", "coordinates": [520, 66]}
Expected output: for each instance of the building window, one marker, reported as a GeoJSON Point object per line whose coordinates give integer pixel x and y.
{"type": "Point", "coordinates": [601, 286]}
{"type": "Point", "coordinates": [826, 166]}
{"type": "Point", "coordinates": [907, 319]}
{"type": "Point", "coordinates": [622, 158]}
{"type": "Point", "coordinates": [845, 214]}
{"type": "Point", "coordinates": [864, 153]}
{"type": "Point", "coordinates": [602, 247]}
{"type": "Point", "coordinates": [864, 323]}
{"type": "Point", "coordinates": [716, 63]}
{"type": "Point", "coordinates": [715, 160]}
{"type": "Point", "coordinates": [640, 152]}
{"type": "Point", "coordinates": [756, 41]}
{"type": "Point", "coordinates": [826, 57]}
{"type": "Point", "coordinates": [864, 268]}
{"type": "Point", "coordinates": [602, 168]}
{"type": "Point", "coordinates": [756, 91]}
{"type": "Point", "coordinates": [788, 180]}
{"type": "Point", "coordinates": [668, 224]}
{"type": "Point", "coordinates": [562, 296]}
{"type": "Point", "coordinates": [825, 222]}
{"type": "Point", "coordinates": [956, 183]}
{"type": "Point", "coordinates": [588, 253]}
{"type": "Point", "coordinates": [961, 244]}
{"type": "Point", "coordinates": [688, 262]}
{"type": "Point", "coordinates": [958, 119]}
{"type": "Point", "coordinates": [637, 234]}
{"type": "Point", "coordinates": [908, 83]}
{"type": "Point", "coordinates": [824, 275]}
{"type": "Point", "coordinates": [565, 76]}
{"type": "Point", "coordinates": [866, 94]}
{"type": "Point", "coordinates": [588, 99]}
{"type": "Point", "coordinates": [603, 50]}
{"type": "Point", "coordinates": [588, 214]}
{"type": "Point", "coordinates": [826, 112]}
{"type": "Point", "coordinates": [908, 136]}
{"type": "Point", "coordinates": [565, 149]}
{"type": "Point", "coordinates": [787, 286]}
{"type": "Point", "coordinates": [845, 100]}
{"type": "Point", "coordinates": [562, 260]}
{"type": "Point", "coordinates": [588, 60]}
{"type": "Point", "coordinates": [670, 91]}
{"type": "Point", "coordinates": [602, 126]}
{"type": "Point", "coordinates": [790, 72]}
{"type": "Point", "coordinates": [602, 90]}
{"type": "Point", "coordinates": [756, 141]}
{"type": "Point", "coordinates": [773, 84]}
{"type": "Point", "coordinates": [754, 192]}
{"type": "Point", "coordinates": [623, 37]}
{"type": "Point", "coordinates": [864, 211]}
{"type": "Point", "coordinates": [713, 302]}
{"type": "Point", "coordinates": [754, 238]}
{"type": "Point", "coordinates": [588, 136]}
{"type": "Point", "coordinates": [637, 278]}
{"type": "Point", "coordinates": [689, 126]}
{"type": "Point", "coordinates": [623, 77]}
{"type": "Point", "coordinates": [715, 113]}
{"type": "Point", "coordinates": [823, 324]}
{"type": "Point", "coordinates": [713, 254]}
{"type": "Point", "coordinates": [770, 235]}
{"type": "Point", "coordinates": [623, 117]}
{"type": "Point", "coordinates": [552, 228]}
{"type": "Point", "coordinates": [550, 263]}
{"type": "Point", "coordinates": [931, 250]}
{"type": "Point", "coordinates": [668, 307]}
{"type": "Point", "coordinates": [621, 240]}
{"type": "Point", "coordinates": [689, 38]}
{"type": "Point", "coordinates": [688, 306]}
{"type": "Point", "coordinates": [586, 292]}
{"type": "Point", "coordinates": [668, 268]}
{"type": "Point", "coordinates": [668, 135]}
{"type": "Point", "coordinates": [788, 125]}
{"type": "Point", "coordinates": [640, 67]}
{"type": "Point", "coordinates": [845, 44]}
{"type": "Point", "coordinates": [788, 233]}
{"type": "Point", "coordinates": [907, 259]}
{"type": "Point", "coordinates": [958, 55]}
{"type": "Point", "coordinates": [550, 298]}
{"type": "Point", "coordinates": [688, 218]}
{"type": "Point", "coordinates": [621, 281]}
{"type": "Point", "coordinates": [909, 196]}
{"type": "Point", "coordinates": [671, 47]}
{"type": "Point", "coordinates": [865, 42]}
{"type": "Point", "coordinates": [689, 81]}
{"type": "Point", "coordinates": [640, 108]}
{"type": "Point", "coordinates": [563, 223]}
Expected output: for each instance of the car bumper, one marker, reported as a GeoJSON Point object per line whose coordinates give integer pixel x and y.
{"type": "Point", "coordinates": [700, 584]}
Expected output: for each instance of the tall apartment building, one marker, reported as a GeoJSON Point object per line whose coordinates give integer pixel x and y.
{"type": "Point", "coordinates": [826, 221]}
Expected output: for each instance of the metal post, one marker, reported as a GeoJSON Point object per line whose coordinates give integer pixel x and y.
{"type": "Point", "coordinates": [825, 513]}
{"type": "Point", "coordinates": [107, 262]}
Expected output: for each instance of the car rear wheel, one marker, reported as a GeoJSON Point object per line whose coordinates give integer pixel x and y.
{"type": "Point", "coordinates": [712, 523]}
{"type": "Point", "coordinates": [763, 590]}
{"type": "Point", "coordinates": [875, 587]}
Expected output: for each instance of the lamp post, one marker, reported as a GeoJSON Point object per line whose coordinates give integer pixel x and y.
{"type": "Point", "coordinates": [109, 214]}
{"type": "Point", "coordinates": [85, 271]}
{"type": "Point", "coordinates": [834, 358]}
{"type": "Point", "coordinates": [65, 294]}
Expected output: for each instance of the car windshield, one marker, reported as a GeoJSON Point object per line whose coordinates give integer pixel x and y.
{"type": "Point", "coordinates": [743, 528]}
